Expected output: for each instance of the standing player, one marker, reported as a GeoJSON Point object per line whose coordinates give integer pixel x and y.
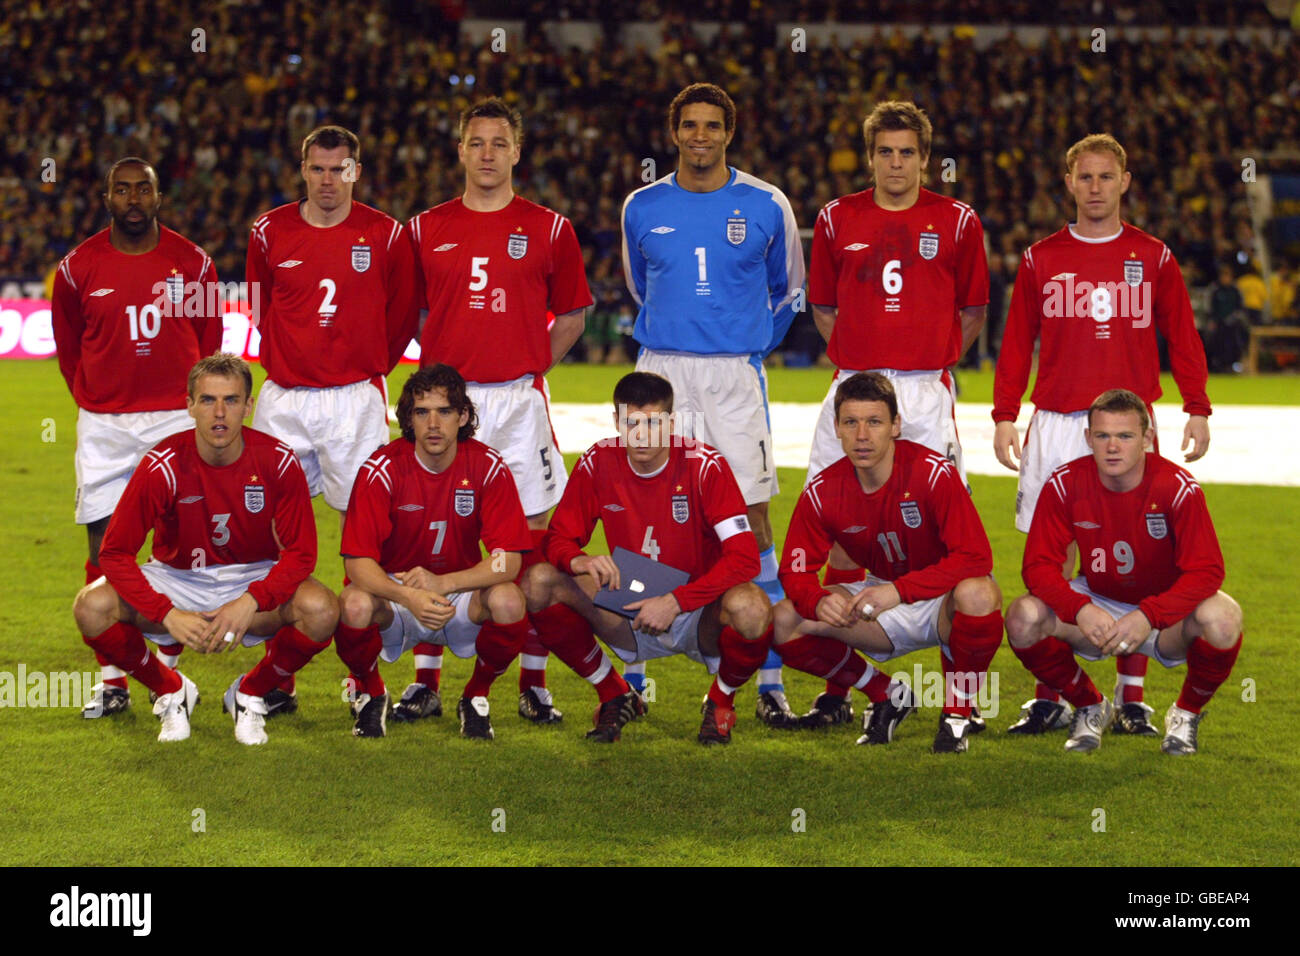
{"type": "Point", "coordinates": [1150, 581]}
{"type": "Point", "coordinates": [124, 357]}
{"type": "Point", "coordinates": [673, 501]}
{"type": "Point", "coordinates": [233, 548]}
{"type": "Point", "coordinates": [899, 283]}
{"type": "Point", "coordinates": [902, 510]}
{"type": "Point", "coordinates": [411, 548]}
{"type": "Point", "coordinates": [336, 285]}
{"type": "Point", "coordinates": [1096, 291]}
{"type": "Point", "coordinates": [493, 264]}
{"type": "Point", "coordinates": [713, 258]}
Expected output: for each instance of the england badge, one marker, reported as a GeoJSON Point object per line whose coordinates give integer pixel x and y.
{"type": "Point", "coordinates": [1156, 526]}
{"type": "Point", "coordinates": [681, 509]}
{"type": "Point", "coordinates": [736, 231]}
{"type": "Point", "coordinates": [464, 502]}
{"type": "Point", "coordinates": [1133, 271]}
{"type": "Point", "coordinates": [911, 513]}
{"type": "Point", "coordinates": [254, 498]}
{"type": "Point", "coordinates": [361, 258]}
{"type": "Point", "coordinates": [928, 245]}
{"type": "Point", "coordinates": [517, 246]}
{"type": "Point", "coordinates": [176, 289]}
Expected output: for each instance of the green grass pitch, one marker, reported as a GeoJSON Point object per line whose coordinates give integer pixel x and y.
{"type": "Point", "coordinates": [106, 793]}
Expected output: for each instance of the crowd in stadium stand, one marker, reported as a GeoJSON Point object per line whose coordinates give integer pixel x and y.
{"type": "Point", "coordinates": [223, 125]}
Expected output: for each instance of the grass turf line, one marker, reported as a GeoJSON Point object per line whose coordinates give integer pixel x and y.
{"type": "Point", "coordinates": [105, 792]}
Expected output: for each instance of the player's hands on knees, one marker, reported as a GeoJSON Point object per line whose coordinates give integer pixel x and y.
{"type": "Point", "coordinates": [419, 578]}
{"type": "Point", "coordinates": [1197, 432]}
{"type": "Point", "coordinates": [871, 602]}
{"type": "Point", "coordinates": [188, 627]}
{"type": "Point", "coordinates": [602, 568]}
{"type": "Point", "coordinates": [231, 620]}
{"type": "Point", "coordinates": [655, 615]}
{"type": "Point", "coordinates": [1127, 634]}
{"type": "Point", "coordinates": [1096, 624]}
{"type": "Point", "coordinates": [430, 608]}
{"type": "Point", "coordinates": [836, 610]}
{"type": "Point", "coordinates": [1006, 444]}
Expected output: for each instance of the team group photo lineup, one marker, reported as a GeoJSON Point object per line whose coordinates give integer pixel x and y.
{"type": "Point", "coordinates": [467, 531]}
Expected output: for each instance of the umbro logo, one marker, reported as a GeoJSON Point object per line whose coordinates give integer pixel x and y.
{"type": "Point", "coordinates": [1088, 525]}
{"type": "Point", "coordinates": [663, 230]}
{"type": "Point", "coordinates": [856, 529]}
{"type": "Point", "coordinates": [190, 499]}
{"type": "Point", "coordinates": [446, 247]}
{"type": "Point", "coordinates": [614, 507]}
{"type": "Point", "coordinates": [1062, 276]}
{"type": "Point", "coordinates": [289, 263]}
{"type": "Point", "coordinates": [99, 292]}
{"type": "Point", "coordinates": [856, 246]}
{"type": "Point", "coordinates": [410, 507]}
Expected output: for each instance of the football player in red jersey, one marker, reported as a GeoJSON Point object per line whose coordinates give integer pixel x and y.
{"type": "Point", "coordinates": [902, 510]}
{"type": "Point", "coordinates": [234, 544]}
{"type": "Point", "coordinates": [1096, 292]}
{"type": "Point", "coordinates": [492, 265]}
{"type": "Point", "coordinates": [335, 282]}
{"type": "Point", "coordinates": [898, 282]}
{"type": "Point", "coordinates": [1149, 583]}
{"type": "Point", "coordinates": [419, 509]}
{"type": "Point", "coordinates": [674, 501]}
{"type": "Point", "coordinates": [124, 357]}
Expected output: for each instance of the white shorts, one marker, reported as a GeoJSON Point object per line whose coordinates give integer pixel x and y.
{"type": "Point", "coordinates": [514, 418]}
{"type": "Point", "coordinates": [108, 449]}
{"type": "Point", "coordinates": [460, 633]}
{"type": "Point", "coordinates": [1118, 609]}
{"type": "Point", "coordinates": [207, 588]}
{"type": "Point", "coordinates": [331, 430]}
{"type": "Point", "coordinates": [909, 627]}
{"type": "Point", "coordinates": [722, 401]}
{"type": "Point", "coordinates": [927, 403]}
{"type": "Point", "coordinates": [682, 638]}
{"type": "Point", "coordinates": [1052, 439]}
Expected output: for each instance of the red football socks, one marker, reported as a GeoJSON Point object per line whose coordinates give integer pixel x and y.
{"type": "Point", "coordinates": [572, 642]}
{"type": "Point", "coordinates": [1207, 668]}
{"type": "Point", "coordinates": [123, 646]}
{"type": "Point", "coordinates": [824, 657]}
{"type": "Point", "coordinates": [290, 650]}
{"type": "Point", "coordinates": [1051, 660]}
{"type": "Point", "coordinates": [428, 665]}
{"type": "Point", "coordinates": [972, 643]}
{"type": "Point", "coordinates": [496, 647]}
{"type": "Point", "coordinates": [740, 660]}
{"type": "Point", "coordinates": [358, 648]}
{"type": "Point", "coordinates": [1132, 670]}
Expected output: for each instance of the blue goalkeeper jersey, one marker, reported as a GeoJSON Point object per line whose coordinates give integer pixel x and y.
{"type": "Point", "coordinates": [714, 273]}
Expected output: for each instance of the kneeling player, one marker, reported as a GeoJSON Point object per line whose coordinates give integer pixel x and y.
{"type": "Point", "coordinates": [234, 543]}
{"type": "Point", "coordinates": [419, 508]}
{"type": "Point", "coordinates": [902, 510]}
{"type": "Point", "coordinates": [674, 501]}
{"type": "Point", "coordinates": [1150, 584]}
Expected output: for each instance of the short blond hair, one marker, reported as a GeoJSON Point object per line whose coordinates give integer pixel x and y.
{"type": "Point", "coordinates": [898, 115]}
{"type": "Point", "coordinates": [1096, 143]}
{"type": "Point", "coordinates": [225, 365]}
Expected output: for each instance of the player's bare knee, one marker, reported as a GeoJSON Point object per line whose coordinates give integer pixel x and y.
{"type": "Point", "coordinates": [977, 596]}
{"type": "Point", "coordinates": [539, 586]}
{"type": "Point", "coordinates": [316, 610]}
{"type": "Point", "coordinates": [1025, 622]}
{"type": "Point", "coordinates": [785, 620]}
{"type": "Point", "coordinates": [1220, 620]}
{"type": "Point", "coordinates": [747, 609]}
{"type": "Point", "coordinates": [356, 607]}
{"type": "Point", "coordinates": [505, 602]}
{"type": "Point", "coordinates": [95, 609]}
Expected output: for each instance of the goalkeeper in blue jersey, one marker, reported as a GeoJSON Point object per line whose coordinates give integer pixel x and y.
{"type": "Point", "coordinates": [713, 258]}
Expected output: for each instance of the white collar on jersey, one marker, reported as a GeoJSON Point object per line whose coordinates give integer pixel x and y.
{"type": "Point", "coordinates": [654, 474]}
{"type": "Point", "coordinates": [1070, 226]}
